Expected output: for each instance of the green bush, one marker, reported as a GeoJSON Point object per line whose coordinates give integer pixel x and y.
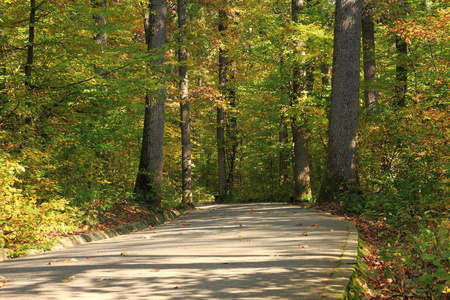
{"type": "Point", "coordinates": [26, 223]}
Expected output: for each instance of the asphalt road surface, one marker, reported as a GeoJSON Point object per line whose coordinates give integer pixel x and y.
{"type": "Point", "coordinates": [239, 251]}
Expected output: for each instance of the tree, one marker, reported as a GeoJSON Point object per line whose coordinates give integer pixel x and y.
{"type": "Point", "coordinates": [283, 157]}
{"type": "Point", "coordinates": [221, 158]}
{"type": "Point", "coordinates": [30, 52]}
{"type": "Point", "coordinates": [401, 84]}
{"type": "Point", "coordinates": [341, 174]}
{"type": "Point", "coordinates": [2, 66]}
{"type": "Point", "coordinates": [368, 41]}
{"type": "Point", "coordinates": [302, 188]}
{"type": "Point", "coordinates": [150, 174]}
{"type": "Point", "coordinates": [100, 38]}
{"type": "Point", "coordinates": [186, 167]}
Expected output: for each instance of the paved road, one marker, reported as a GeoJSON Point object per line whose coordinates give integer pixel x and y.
{"type": "Point", "coordinates": [242, 251]}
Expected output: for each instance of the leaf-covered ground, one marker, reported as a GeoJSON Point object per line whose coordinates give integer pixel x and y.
{"type": "Point", "coordinates": [397, 264]}
{"type": "Point", "coordinates": [120, 214]}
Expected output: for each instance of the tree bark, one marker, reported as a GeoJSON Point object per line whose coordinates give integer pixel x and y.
{"type": "Point", "coordinates": [101, 37]}
{"type": "Point", "coordinates": [341, 174]}
{"type": "Point", "coordinates": [2, 68]}
{"type": "Point", "coordinates": [30, 47]}
{"type": "Point", "coordinates": [283, 157]}
{"type": "Point", "coordinates": [150, 174]}
{"type": "Point", "coordinates": [232, 134]}
{"type": "Point", "coordinates": [401, 85]}
{"type": "Point", "coordinates": [223, 62]}
{"type": "Point", "coordinates": [186, 167]}
{"type": "Point", "coordinates": [30, 55]}
{"type": "Point", "coordinates": [302, 186]}
{"type": "Point", "coordinates": [368, 40]}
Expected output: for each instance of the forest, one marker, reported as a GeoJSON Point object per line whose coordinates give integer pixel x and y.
{"type": "Point", "coordinates": [115, 109]}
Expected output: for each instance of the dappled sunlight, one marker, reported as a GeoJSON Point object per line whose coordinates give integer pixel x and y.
{"type": "Point", "coordinates": [279, 252]}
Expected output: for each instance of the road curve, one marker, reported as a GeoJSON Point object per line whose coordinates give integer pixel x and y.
{"type": "Point", "coordinates": [235, 251]}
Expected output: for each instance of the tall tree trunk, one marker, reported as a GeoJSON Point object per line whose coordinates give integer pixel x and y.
{"type": "Point", "coordinates": [401, 48]}
{"type": "Point", "coordinates": [401, 84]}
{"type": "Point", "coordinates": [30, 55]}
{"type": "Point", "coordinates": [368, 40]}
{"type": "Point", "coordinates": [341, 174]}
{"type": "Point", "coordinates": [30, 47]}
{"type": "Point", "coordinates": [232, 134]}
{"type": "Point", "coordinates": [100, 38]}
{"type": "Point", "coordinates": [302, 187]}
{"type": "Point", "coordinates": [186, 167]}
{"type": "Point", "coordinates": [283, 159]}
{"type": "Point", "coordinates": [223, 62]}
{"type": "Point", "coordinates": [2, 67]}
{"type": "Point", "coordinates": [150, 174]}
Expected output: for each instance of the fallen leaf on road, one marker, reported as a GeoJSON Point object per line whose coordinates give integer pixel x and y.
{"type": "Point", "coordinates": [176, 287]}
{"type": "Point", "coordinates": [151, 227]}
{"type": "Point", "coordinates": [71, 260]}
{"type": "Point", "coordinates": [185, 224]}
{"type": "Point", "coordinates": [255, 228]}
{"type": "Point", "coordinates": [104, 279]}
{"type": "Point", "coordinates": [124, 254]}
{"type": "Point", "coordinates": [314, 225]}
{"type": "Point", "coordinates": [88, 257]}
{"type": "Point", "coordinates": [240, 236]}
{"type": "Point", "coordinates": [13, 271]}
{"type": "Point", "coordinates": [146, 237]}
{"type": "Point", "coordinates": [156, 270]}
{"type": "Point", "coordinates": [3, 283]}
{"type": "Point", "coordinates": [299, 224]}
{"type": "Point", "coordinates": [303, 246]}
{"type": "Point", "coordinates": [276, 255]}
{"type": "Point", "coordinates": [305, 233]}
{"type": "Point", "coordinates": [68, 279]}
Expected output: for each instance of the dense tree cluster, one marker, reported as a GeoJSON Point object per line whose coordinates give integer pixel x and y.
{"type": "Point", "coordinates": [168, 102]}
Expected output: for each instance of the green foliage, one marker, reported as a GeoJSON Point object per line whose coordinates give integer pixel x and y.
{"type": "Point", "coordinates": [411, 148]}
{"type": "Point", "coordinates": [25, 222]}
{"type": "Point", "coordinates": [78, 157]}
{"type": "Point", "coordinates": [421, 268]}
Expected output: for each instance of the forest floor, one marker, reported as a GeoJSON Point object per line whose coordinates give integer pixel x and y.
{"type": "Point", "coordinates": [375, 237]}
